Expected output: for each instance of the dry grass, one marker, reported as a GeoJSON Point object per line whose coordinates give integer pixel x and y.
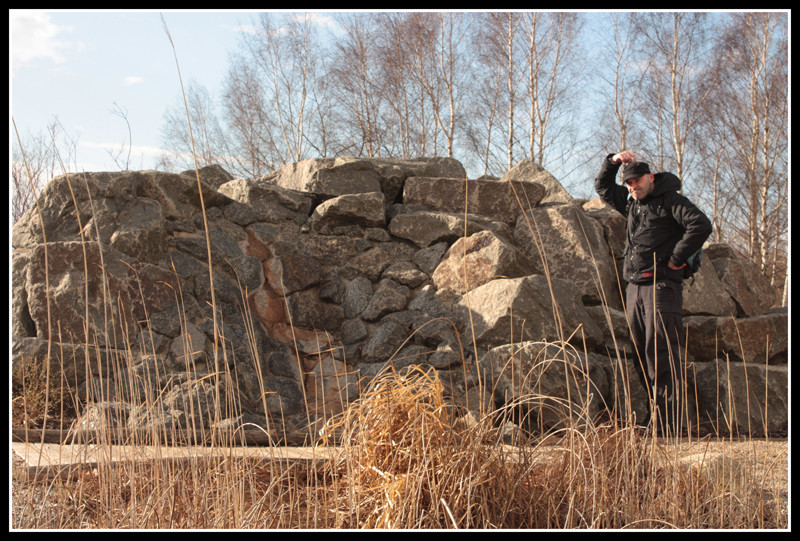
{"type": "Point", "coordinates": [405, 461]}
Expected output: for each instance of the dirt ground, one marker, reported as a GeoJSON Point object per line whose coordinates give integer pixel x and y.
{"type": "Point", "coordinates": [770, 457]}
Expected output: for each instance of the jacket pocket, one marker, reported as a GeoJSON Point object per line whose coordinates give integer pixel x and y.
{"type": "Point", "coordinates": [642, 259]}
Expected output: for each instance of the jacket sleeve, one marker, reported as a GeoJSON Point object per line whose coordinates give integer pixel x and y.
{"type": "Point", "coordinates": [697, 228]}
{"type": "Point", "coordinates": [607, 188]}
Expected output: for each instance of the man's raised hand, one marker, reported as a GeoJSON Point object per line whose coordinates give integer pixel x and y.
{"type": "Point", "coordinates": [626, 156]}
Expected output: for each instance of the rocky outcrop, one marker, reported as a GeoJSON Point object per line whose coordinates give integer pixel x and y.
{"type": "Point", "coordinates": [328, 271]}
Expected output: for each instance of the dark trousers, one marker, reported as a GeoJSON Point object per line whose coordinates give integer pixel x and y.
{"type": "Point", "coordinates": [655, 315]}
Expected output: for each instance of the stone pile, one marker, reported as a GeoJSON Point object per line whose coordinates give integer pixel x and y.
{"type": "Point", "coordinates": [327, 272]}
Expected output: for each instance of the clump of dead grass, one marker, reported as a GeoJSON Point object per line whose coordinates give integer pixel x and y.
{"type": "Point", "coordinates": [404, 454]}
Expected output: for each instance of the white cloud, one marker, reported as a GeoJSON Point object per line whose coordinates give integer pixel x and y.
{"type": "Point", "coordinates": [317, 19]}
{"type": "Point", "coordinates": [34, 36]}
{"type": "Point", "coordinates": [132, 80]}
{"type": "Point", "coordinates": [246, 28]}
{"type": "Point", "coordinates": [135, 149]}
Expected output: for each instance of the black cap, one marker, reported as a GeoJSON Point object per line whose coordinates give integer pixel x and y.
{"type": "Point", "coordinates": [635, 170]}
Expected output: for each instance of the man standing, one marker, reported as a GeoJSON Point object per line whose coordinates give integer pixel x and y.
{"type": "Point", "coordinates": [663, 230]}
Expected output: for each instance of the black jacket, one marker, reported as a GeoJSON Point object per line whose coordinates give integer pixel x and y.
{"type": "Point", "coordinates": [664, 226]}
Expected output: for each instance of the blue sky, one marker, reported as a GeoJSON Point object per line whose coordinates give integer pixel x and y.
{"type": "Point", "coordinates": [79, 65]}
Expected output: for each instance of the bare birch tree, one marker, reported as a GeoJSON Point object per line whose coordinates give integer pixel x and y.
{"type": "Point", "coordinates": [753, 120]}
{"type": "Point", "coordinates": [511, 24]}
{"type": "Point", "coordinates": [32, 166]}
{"type": "Point", "coordinates": [452, 72]}
{"type": "Point", "coordinates": [248, 122]}
{"type": "Point", "coordinates": [35, 159]}
{"type": "Point", "coordinates": [357, 85]}
{"type": "Point", "coordinates": [405, 45]}
{"type": "Point", "coordinates": [483, 112]}
{"type": "Point", "coordinates": [551, 43]}
{"type": "Point", "coordinates": [285, 50]}
{"type": "Point", "coordinates": [500, 34]}
{"type": "Point", "coordinates": [677, 43]}
{"type": "Point", "coordinates": [627, 77]}
{"type": "Point", "coordinates": [209, 138]}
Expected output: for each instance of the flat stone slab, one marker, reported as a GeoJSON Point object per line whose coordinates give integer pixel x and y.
{"type": "Point", "coordinates": [48, 460]}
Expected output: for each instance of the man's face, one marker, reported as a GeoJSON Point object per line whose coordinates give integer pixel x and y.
{"type": "Point", "coordinates": [640, 187]}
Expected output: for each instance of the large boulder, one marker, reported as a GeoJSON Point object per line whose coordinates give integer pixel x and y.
{"type": "Point", "coordinates": [509, 310]}
{"type": "Point", "coordinates": [573, 247]}
{"type": "Point", "coordinates": [394, 172]}
{"type": "Point", "coordinates": [267, 202]}
{"type": "Point", "coordinates": [288, 271]}
{"type": "Point", "coordinates": [613, 223]}
{"type": "Point", "coordinates": [425, 227]}
{"type": "Point", "coordinates": [327, 176]}
{"type": "Point", "coordinates": [390, 168]}
{"type": "Point", "coordinates": [549, 386]}
{"type": "Point", "coordinates": [745, 283]}
{"type": "Point", "coordinates": [740, 398]}
{"type": "Point", "coordinates": [761, 339]}
{"type": "Point", "coordinates": [214, 175]}
{"type": "Point", "coordinates": [363, 209]}
{"type": "Point", "coordinates": [529, 171]}
{"type": "Point", "coordinates": [706, 294]}
{"type": "Point", "coordinates": [94, 207]}
{"type": "Point", "coordinates": [502, 201]}
{"type": "Point", "coordinates": [475, 260]}
{"type": "Point", "coordinates": [86, 281]}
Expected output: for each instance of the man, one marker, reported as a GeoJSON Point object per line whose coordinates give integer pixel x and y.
{"type": "Point", "coordinates": [664, 228]}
